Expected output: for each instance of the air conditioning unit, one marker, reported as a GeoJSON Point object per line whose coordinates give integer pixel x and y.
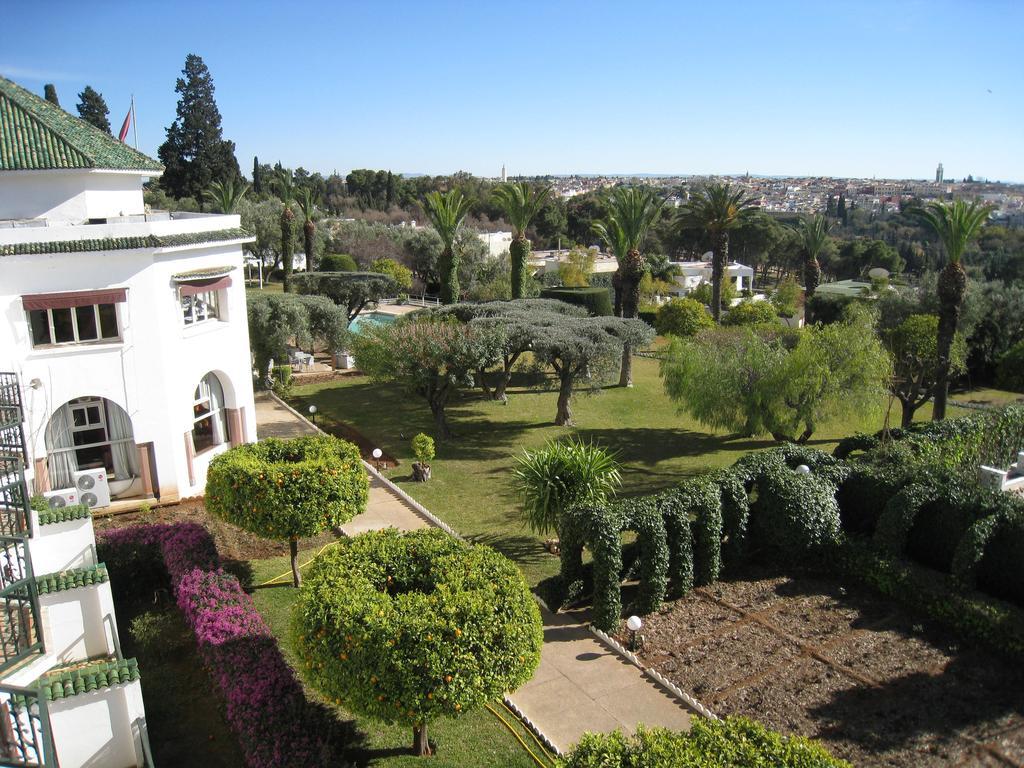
{"type": "Point", "coordinates": [65, 497]}
{"type": "Point", "coordinates": [92, 487]}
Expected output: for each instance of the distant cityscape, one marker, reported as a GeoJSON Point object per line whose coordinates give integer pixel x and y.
{"type": "Point", "coordinates": [811, 194]}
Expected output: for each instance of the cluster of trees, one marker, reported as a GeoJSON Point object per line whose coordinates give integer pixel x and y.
{"type": "Point", "coordinates": [437, 353]}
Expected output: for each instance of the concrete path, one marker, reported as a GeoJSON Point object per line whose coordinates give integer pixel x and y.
{"type": "Point", "coordinates": [581, 684]}
{"type": "Point", "coordinates": [275, 420]}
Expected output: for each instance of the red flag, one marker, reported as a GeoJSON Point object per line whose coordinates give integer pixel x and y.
{"type": "Point", "coordinates": [124, 126]}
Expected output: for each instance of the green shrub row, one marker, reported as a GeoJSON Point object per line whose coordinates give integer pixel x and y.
{"type": "Point", "coordinates": [597, 301]}
{"type": "Point", "coordinates": [728, 743]}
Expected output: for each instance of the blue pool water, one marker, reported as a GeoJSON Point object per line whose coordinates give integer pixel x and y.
{"type": "Point", "coordinates": [365, 318]}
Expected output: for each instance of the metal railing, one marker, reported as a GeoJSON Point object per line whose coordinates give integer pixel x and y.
{"type": "Point", "coordinates": [10, 390]}
{"type": "Point", "coordinates": [14, 498]}
{"type": "Point", "coordinates": [20, 632]}
{"type": "Point", "coordinates": [25, 740]}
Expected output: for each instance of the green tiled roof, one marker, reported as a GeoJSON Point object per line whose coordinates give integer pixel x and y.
{"type": "Point", "coordinates": [38, 135]}
{"type": "Point", "coordinates": [89, 677]}
{"type": "Point", "coordinates": [123, 243]}
{"type": "Point", "coordinates": [64, 514]}
{"type": "Point", "coordinates": [73, 579]}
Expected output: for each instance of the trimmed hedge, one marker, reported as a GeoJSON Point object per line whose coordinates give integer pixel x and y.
{"type": "Point", "coordinates": [864, 494]}
{"type": "Point", "coordinates": [597, 301]}
{"type": "Point", "coordinates": [971, 615]}
{"type": "Point", "coordinates": [734, 742]}
{"type": "Point", "coordinates": [702, 503]}
{"type": "Point", "coordinates": [288, 489]}
{"type": "Point", "coordinates": [795, 514]}
{"type": "Point", "coordinates": [674, 506]}
{"type": "Point", "coordinates": [266, 707]}
{"type": "Point", "coordinates": [991, 554]}
{"type": "Point", "coordinates": [409, 627]}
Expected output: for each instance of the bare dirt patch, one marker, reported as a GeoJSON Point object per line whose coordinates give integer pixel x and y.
{"type": "Point", "coordinates": [812, 656]}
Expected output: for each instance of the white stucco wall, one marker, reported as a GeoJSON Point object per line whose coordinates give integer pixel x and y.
{"type": "Point", "coordinates": [100, 729]}
{"type": "Point", "coordinates": [79, 624]}
{"type": "Point", "coordinates": [62, 546]}
{"type": "Point", "coordinates": [153, 371]}
{"type": "Point", "coordinates": [70, 196]}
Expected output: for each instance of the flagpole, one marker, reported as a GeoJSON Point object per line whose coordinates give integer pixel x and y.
{"type": "Point", "coordinates": [135, 126]}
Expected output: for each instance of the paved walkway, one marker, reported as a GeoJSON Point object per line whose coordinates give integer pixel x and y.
{"type": "Point", "coordinates": [581, 684]}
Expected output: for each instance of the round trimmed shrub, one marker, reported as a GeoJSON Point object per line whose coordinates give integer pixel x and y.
{"type": "Point", "coordinates": [682, 317]}
{"type": "Point", "coordinates": [751, 313]}
{"type": "Point", "coordinates": [337, 262]}
{"type": "Point", "coordinates": [795, 514]}
{"type": "Point", "coordinates": [597, 301]}
{"type": "Point", "coordinates": [288, 489]}
{"type": "Point", "coordinates": [864, 493]}
{"type": "Point", "coordinates": [898, 517]}
{"type": "Point", "coordinates": [943, 520]}
{"type": "Point", "coordinates": [409, 627]}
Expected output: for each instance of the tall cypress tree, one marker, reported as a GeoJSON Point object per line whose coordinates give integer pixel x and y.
{"type": "Point", "coordinates": [50, 93]}
{"type": "Point", "coordinates": [195, 153]}
{"type": "Point", "coordinates": [93, 109]}
{"type": "Point", "coordinates": [257, 180]}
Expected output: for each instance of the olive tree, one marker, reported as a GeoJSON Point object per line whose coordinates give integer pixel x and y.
{"type": "Point", "coordinates": [351, 290]}
{"type": "Point", "coordinates": [434, 357]}
{"type": "Point", "coordinates": [278, 320]}
{"type": "Point", "coordinates": [915, 353]}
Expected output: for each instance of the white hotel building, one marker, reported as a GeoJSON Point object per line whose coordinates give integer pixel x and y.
{"type": "Point", "coordinates": [124, 368]}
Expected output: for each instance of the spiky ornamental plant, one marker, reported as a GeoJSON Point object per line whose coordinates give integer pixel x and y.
{"type": "Point", "coordinates": [813, 232]}
{"type": "Point", "coordinates": [446, 213]}
{"type": "Point", "coordinates": [307, 201]}
{"type": "Point", "coordinates": [631, 213]}
{"type": "Point", "coordinates": [520, 203]}
{"type": "Point", "coordinates": [226, 195]}
{"type": "Point", "coordinates": [955, 224]}
{"type": "Point", "coordinates": [717, 209]}
{"type": "Point", "coordinates": [285, 189]}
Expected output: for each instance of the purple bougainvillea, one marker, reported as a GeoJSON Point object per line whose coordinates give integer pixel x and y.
{"type": "Point", "coordinates": [265, 705]}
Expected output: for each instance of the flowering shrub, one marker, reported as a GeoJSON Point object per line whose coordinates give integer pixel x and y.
{"type": "Point", "coordinates": [265, 705]}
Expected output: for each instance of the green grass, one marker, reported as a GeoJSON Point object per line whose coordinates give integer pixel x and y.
{"type": "Point", "coordinates": [984, 396]}
{"type": "Point", "coordinates": [470, 488]}
{"type": "Point", "coordinates": [477, 738]}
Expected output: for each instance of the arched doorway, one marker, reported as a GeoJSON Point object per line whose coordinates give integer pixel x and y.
{"type": "Point", "coordinates": [209, 426]}
{"type": "Point", "coordinates": [89, 433]}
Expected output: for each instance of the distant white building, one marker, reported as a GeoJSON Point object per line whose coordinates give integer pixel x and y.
{"type": "Point", "coordinates": [693, 273]}
{"type": "Point", "coordinates": [497, 243]}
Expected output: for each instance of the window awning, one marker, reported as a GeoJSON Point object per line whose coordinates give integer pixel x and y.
{"type": "Point", "coordinates": [203, 280]}
{"type": "Point", "coordinates": [70, 299]}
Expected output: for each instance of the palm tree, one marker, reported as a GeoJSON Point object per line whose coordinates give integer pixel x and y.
{"type": "Point", "coordinates": [955, 224]}
{"type": "Point", "coordinates": [717, 208]}
{"type": "Point", "coordinates": [226, 195]}
{"type": "Point", "coordinates": [285, 189]}
{"type": "Point", "coordinates": [631, 213]}
{"type": "Point", "coordinates": [813, 231]}
{"type": "Point", "coordinates": [446, 213]}
{"type": "Point", "coordinates": [520, 202]}
{"type": "Point", "coordinates": [307, 201]}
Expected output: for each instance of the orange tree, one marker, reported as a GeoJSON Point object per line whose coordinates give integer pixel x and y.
{"type": "Point", "coordinates": [409, 627]}
{"type": "Point", "coordinates": [288, 489]}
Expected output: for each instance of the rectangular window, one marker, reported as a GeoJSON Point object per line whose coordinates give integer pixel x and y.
{"type": "Point", "coordinates": [200, 307]}
{"type": "Point", "coordinates": [74, 325]}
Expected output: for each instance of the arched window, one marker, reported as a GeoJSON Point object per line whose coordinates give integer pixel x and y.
{"type": "Point", "coordinates": [208, 414]}
{"type": "Point", "coordinates": [87, 433]}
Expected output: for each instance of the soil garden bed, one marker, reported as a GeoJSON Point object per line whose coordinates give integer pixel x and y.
{"type": "Point", "coordinates": [808, 655]}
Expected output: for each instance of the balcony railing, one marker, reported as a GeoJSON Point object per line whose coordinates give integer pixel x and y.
{"type": "Point", "coordinates": [25, 739]}
{"type": "Point", "coordinates": [14, 499]}
{"type": "Point", "coordinates": [10, 390]}
{"type": "Point", "coordinates": [20, 633]}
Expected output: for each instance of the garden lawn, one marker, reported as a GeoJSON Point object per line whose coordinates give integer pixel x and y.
{"type": "Point", "coordinates": [477, 738]}
{"type": "Point", "coordinates": [470, 487]}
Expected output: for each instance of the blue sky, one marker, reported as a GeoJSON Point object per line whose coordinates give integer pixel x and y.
{"type": "Point", "coordinates": [831, 87]}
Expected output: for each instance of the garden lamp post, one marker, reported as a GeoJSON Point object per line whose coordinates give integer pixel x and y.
{"type": "Point", "coordinates": [377, 453]}
{"type": "Point", "coordinates": [633, 624]}
{"type": "Point", "coordinates": [312, 414]}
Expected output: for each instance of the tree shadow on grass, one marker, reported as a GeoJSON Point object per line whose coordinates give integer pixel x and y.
{"type": "Point", "coordinates": [522, 548]}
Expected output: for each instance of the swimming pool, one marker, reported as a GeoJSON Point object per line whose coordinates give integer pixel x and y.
{"type": "Point", "coordinates": [378, 318]}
